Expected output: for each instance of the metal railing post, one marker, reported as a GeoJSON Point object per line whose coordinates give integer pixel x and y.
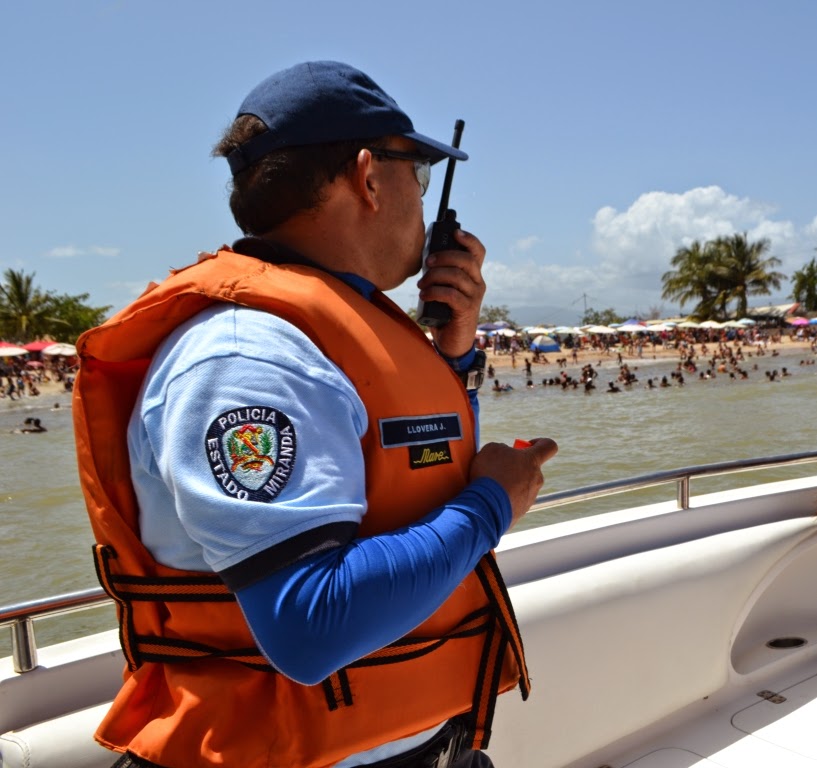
{"type": "Point", "coordinates": [23, 645]}
{"type": "Point", "coordinates": [19, 618]}
{"type": "Point", "coordinates": [682, 492]}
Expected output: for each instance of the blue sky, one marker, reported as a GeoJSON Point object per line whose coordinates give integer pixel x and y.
{"type": "Point", "coordinates": [603, 135]}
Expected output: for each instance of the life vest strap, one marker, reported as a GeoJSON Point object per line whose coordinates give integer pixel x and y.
{"type": "Point", "coordinates": [102, 556]}
{"type": "Point", "coordinates": [164, 649]}
{"type": "Point", "coordinates": [337, 690]}
{"type": "Point", "coordinates": [502, 633]}
{"type": "Point", "coordinates": [494, 585]}
{"type": "Point", "coordinates": [496, 621]}
{"type": "Point", "coordinates": [172, 589]}
{"type": "Point", "coordinates": [486, 690]}
{"type": "Point", "coordinates": [407, 648]}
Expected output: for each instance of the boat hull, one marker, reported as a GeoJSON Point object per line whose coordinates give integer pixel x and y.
{"type": "Point", "coordinates": [647, 633]}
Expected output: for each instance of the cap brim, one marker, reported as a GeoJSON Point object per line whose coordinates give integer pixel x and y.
{"type": "Point", "coordinates": [436, 150]}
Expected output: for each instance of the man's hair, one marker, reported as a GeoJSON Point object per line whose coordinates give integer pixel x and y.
{"type": "Point", "coordinates": [282, 183]}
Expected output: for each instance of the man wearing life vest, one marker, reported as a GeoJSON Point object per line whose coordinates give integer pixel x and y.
{"type": "Point", "coordinates": [282, 472]}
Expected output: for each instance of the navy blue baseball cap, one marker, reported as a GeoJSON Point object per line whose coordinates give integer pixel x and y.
{"type": "Point", "coordinates": [320, 102]}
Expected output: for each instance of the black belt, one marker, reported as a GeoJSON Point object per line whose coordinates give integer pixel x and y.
{"type": "Point", "coordinates": [441, 751]}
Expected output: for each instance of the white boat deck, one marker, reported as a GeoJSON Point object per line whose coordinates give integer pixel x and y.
{"type": "Point", "coordinates": [655, 658]}
{"type": "Point", "coordinates": [733, 730]}
{"type": "Point", "coordinates": [647, 634]}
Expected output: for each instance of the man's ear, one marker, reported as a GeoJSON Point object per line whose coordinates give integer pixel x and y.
{"type": "Point", "coordinates": [365, 179]}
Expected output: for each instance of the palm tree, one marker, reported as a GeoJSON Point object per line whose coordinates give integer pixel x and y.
{"type": "Point", "coordinates": [744, 271]}
{"type": "Point", "coordinates": [23, 308]}
{"type": "Point", "coordinates": [804, 286]}
{"type": "Point", "coordinates": [693, 279]}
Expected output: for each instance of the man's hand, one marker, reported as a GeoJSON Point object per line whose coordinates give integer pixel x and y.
{"type": "Point", "coordinates": [518, 471]}
{"type": "Point", "coordinates": [455, 278]}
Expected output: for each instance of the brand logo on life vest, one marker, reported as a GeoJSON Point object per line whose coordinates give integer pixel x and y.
{"type": "Point", "coordinates": [419, 430]}
{"type": "Point", "coordinates": [421, 456]}
{"type": "Point", "coordinates": [251, 452]}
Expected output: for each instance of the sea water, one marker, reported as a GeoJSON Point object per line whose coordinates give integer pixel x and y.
{"type": "Point", "coordinates": [602, 437]}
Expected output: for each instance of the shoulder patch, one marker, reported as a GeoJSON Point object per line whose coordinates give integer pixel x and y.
{"type": "Point", "coordinates": [251, 452]}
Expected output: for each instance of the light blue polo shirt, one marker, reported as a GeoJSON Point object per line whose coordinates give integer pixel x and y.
{"type": "Point", "coordinates": [228, 357]}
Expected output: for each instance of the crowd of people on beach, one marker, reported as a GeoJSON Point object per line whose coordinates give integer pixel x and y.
{"type": "Point", "coordinates": [701, 357]}
{"type": "Point", "coordinates": [637, 344]}
{"type": "Point", "coordinates": [24, 380]}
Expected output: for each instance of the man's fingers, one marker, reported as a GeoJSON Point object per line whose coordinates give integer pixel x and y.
{"type": "Point", "coordinates": [472, 243]}
{"type": "Point", "coordinates": [544, 447]}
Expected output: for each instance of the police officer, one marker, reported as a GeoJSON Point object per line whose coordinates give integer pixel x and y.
{"type": "Point", "coordinates": [296, 523]}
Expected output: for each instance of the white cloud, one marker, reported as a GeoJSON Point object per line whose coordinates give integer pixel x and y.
{"type": "Point", "coordinates": [658, 223]}
{"type": "Point", "coordinates": [72, 252]}
{"type": "Point", "coordinates": [64, 252]}
{"type": "Point", "coordinates": [533, 282]}
{"type": "Point", "coordinates": [631, 251]}
{"type": "Point", "coordinates": [99, 250]}
{"type": "Point", "coordinates": [524, 244]}
{"type": "Point", "coordinates": [634, 248]}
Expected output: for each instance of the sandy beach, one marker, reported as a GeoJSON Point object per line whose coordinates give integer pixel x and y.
{"type": "Point", "coordinates": [504, 364]}
{"type": "Point", "coordinates": [792, 351]}
{"type": "Point", "coordinates": [51, 393]}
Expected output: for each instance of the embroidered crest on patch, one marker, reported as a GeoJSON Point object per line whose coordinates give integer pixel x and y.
{"type": "Point", "coordinates": [251, 452]}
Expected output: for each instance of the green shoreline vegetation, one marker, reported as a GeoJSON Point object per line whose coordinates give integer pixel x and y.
{"type": "Point", "coordinates": [28, 313]}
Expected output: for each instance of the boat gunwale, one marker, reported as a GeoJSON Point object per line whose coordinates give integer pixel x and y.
{"type": "Point", "coordinates": [682, 476]}
{"type": "Point", "coordinates": [20, 616]}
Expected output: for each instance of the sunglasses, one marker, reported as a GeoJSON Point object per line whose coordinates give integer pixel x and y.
{"type": "Point", "coordinates": [422, 164]}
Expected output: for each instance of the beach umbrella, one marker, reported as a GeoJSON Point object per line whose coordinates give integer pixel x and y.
{"type": "Point", "coordinates": [10, 350]}
{"type": "Point", "coordinates": [505, 332]}
{"type": "Point", "coordinates": [565, 329]}
{"type": "Point", "coordinates": [632, 327]}
{"type": "Point", "coordinates": [66, 350]}
{"type": "Point", "coordinates": [747, 321]}
{"type": "Point", "coordinates": [600, 329]}
{"type": "Point", "coordinates": [37, 346]}
{"type": "Point", "coordinates": [664, 325]}
{"type": "Point", "coordinates": [689, 324]}
{"type": "Point", "coordinates": [710, 324]}
{"type": "Point", "coordinates": [813, 321]}
{"type": "Point", "coordinates": [493, 326]}
{"type": "Point", "coordinates": [544, 343]}
{"type": "Point", "coordinates": [798, 321]}
{"type": "Point", "coordinates": [536, 330]}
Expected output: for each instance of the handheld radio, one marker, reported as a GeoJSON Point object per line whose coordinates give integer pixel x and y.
{"type": "Point", "coordinates": [440, 237]}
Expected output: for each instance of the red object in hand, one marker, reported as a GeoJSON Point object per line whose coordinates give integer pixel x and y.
{"type": "Point", "coordinates": [521, 443]}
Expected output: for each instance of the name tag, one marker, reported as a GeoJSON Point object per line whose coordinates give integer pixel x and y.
{"type": "Point", "coordinates": [419, 430]}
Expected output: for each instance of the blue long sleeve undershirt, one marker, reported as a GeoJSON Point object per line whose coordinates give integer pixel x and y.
{"type": "Point", "coordinates": [332, 608]}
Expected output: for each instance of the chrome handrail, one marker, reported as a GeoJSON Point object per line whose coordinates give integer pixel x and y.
{"type": "Point", "coordinates": [21, 616]}
{"type": "Point", "coordinates": [681, 476]}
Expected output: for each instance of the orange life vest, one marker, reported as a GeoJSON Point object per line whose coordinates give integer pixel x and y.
{"type": "Point", "coordinates": [197, 692]}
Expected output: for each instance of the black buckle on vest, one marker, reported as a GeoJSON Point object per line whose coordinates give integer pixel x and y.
{"type": "Point", "coordinates": [448, 752]}
{"type": "Point", "coordinates": [441, 751]}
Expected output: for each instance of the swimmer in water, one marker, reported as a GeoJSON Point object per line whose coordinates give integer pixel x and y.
{"type": "Point", "coordinates": [31, 425]}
